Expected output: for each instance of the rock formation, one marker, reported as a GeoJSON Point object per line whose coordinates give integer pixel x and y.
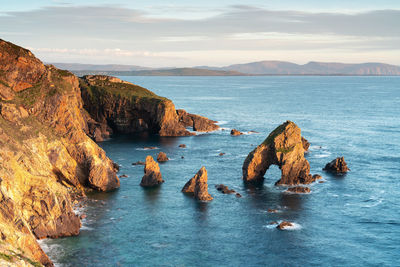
{"type": "Point", "coordinates": [198, 186]}
{"type": "Point", "coordinates": [198, 123]}
{"type": "Point", "coordinates": [299, 190]}
{"type": "Point", "coordinates": [224, 189]}
{"type": "Point", "coordinates": [152, 175]}
{"type": "Point", "coordinates": [46, 158]}
{"type": "Point", "coordinates": [235, 132]}
{"type": "Point", "coordinates": [182, 146]}
{"type": "Point", "coordinates": [162, 157]}
{"type": "Point", "coordinates": [283, 225]}
{"type": "Point", "coordinates": [337, 166]}
{"type": "Point", "coordinates": [283, 147]}
{"type": "Point", "coordinates": [306, 144]}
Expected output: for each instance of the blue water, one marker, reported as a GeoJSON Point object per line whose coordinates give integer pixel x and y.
{"type": "Point", "coordinates": [347, 221]}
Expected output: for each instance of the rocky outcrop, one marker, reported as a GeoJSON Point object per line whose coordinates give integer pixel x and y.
{"type": "Point", "coordinates": [337, 166]}
{"type": "Point", "coordinates": [122, 107]}
{"type": "Point", "coordinates": [284, 225]}
{"type": "Point", "coordinates": [284, 148]}
{"type": "Point", "coordinates": [198, 186]}
{"type": "Point", "coordinates": [224, 189]}
{"type": "Point", "coordinates": [152, 175]}
{"type": "Point", "coordinates": [235, 132]}
{"type": "Point", "coordinates": [299, 190]}
{"type": "Point", "coordinates": [46, 158]}
{"type": "Point", "coordinates": [198, 123]}
{"type": "Point", "coordinates": [162, 157]}
{"type": "Point", "coordinates": [306, 144]}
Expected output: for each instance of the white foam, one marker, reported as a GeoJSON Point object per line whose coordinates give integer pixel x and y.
{"type": "Point", "coordinates": [145, 148]}
{"type": "Point", "coordinates": [295, 226]}
{"type": "Point", "coordinates": [221, 122]}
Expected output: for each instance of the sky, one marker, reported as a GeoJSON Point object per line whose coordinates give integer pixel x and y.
{"type": "Point", "coordinates": [185, 33]}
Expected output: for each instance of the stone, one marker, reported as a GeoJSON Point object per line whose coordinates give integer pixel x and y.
{"type": "Point", "coordinates": [238, 195]}
{"type": "Point", "coordinates": [235, 132]}
{"type": "Point", "coordinates": [224, 189]}
{"type": "Point", "coordinates": [149, 148]}
{"type": "Point", "coordinates": [283, 225]}
{"type": "Point", "coordinates": [198, 186]}
{"type": "Point", "coordinates": [152, 175]}
{"type": "Point", "coordinates": [337, 166]}
{"type": "Point", "coordinates": [272, 211]}
{"type": "Point", "coordinates": [299, 190]}
{"type": "Point", "coordinates": [139, 163]}
{"type": "Point", "coordinates": [221, 154]}
{"type": "Point", "coordinates": [123, 176]}
{"type": "Point", "coordinates": [284, 148]}
{"type": "Point", "coordinates": [162, 157]}
{"type": "Point", "coordinates": [182, 146]}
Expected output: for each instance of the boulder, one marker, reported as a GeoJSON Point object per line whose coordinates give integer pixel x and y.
{"type": "Point", "coordinates": [284, 148]}
{"type": "Point", "coordinates": [182, 146]}
{"type": "Point", "coordinates": [162, 157]}
{"type": "Point", "coordinates": [235, 132]}
{"type": "Point", "coordinates": [198, 186]}
{"type": "Point", "coordinates": [337, 166]}
{"type": "Point", "coordinates": [152, 175]}
{"type": "Point", "coordinates": [298, 190]}
{"type": "Point", "coordinates": [224, 189]}
{"type": "Point", "coordinates": [139, 163]}
{"type": "Point", "coordinates": [283, 225]}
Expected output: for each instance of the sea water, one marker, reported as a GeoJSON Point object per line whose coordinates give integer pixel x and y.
{"type": "Point", "coordinates": [350, 220]}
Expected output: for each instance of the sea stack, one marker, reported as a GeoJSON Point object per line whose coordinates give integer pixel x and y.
{"type": "Point", "coordinates": [152, 175]}
{"type": "Point", "coordinates": [162, 157]}
{"type": "Point", "coordinates": [337, 166]}
{"type": "Point", "coordinates": [198, 186]}
{"type": "Point", "coordinates": [284, 148]}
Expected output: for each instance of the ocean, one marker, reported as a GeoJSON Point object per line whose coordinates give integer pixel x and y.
{"type": "Point", "coordinates": [350, 220]}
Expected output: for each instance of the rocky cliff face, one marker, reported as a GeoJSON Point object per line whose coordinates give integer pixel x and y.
{"type": "Point", "coordinates": [122, 107]}
{"type": "Point", "coordinates": [46, 158]}
{"type": "Point", "coordinates": [127, 108]}
{"type": "Point", "coordinates": [198, 186]}
{"type": "Point", "coordinates": [284, 148]}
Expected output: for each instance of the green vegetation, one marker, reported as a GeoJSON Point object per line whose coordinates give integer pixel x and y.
{"type": "Point", "coordinates": [276, 132]}
{"type": "Point", "coordinates": [285, 150]}
{"type": "Point", "coordinates": [64, 73]}
{"type": "Point", "coordinates": [6, 257]}
{"type": "Point", "coordinates": [29, 96]}
{"type": "Point", "coordinates": [100, 90]}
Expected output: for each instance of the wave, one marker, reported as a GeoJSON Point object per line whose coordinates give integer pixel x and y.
{"type": "Point", "coordinates": [147, 148]}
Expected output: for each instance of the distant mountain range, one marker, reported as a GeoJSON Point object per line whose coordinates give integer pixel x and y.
{"type": "Point", "coordinates": [248, 69]}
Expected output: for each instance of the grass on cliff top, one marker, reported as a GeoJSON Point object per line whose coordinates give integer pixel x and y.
{"type": "Point", "coordinates": [275, 133]}
{"type": "Point", "coordinates": [13, 255]}
{"type": "Point", "coordinates": [12, 49]}
{"type": "Point", "coordinates": [130, 91]}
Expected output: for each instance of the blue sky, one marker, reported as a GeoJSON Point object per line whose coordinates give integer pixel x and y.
{"type": "Point", "coordinates": [190, 33]}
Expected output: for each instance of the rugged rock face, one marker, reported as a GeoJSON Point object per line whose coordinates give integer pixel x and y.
{"type": "Point", "coordinates": [235, 132]}
{"type": "Point", "coordinates": [283, 147]}
{"type": "Point", "coordinates": [337, 166]}
{"type": "Point", "coordinates": [198, 123]}
{"type": "Point", "coordinates": [198, 186]}
{"type": "Point", "coordinates": [122, 107]}
{"type": "Point", "coordinates": [45, 156]}
{"type": "Point", "coordinates": [306, 144]}
{"type": "Point", "coordinates": [152, 175]}
{"type": "Point", "coordinates": [283, 225]}
{"type": "Point", "coordinates": [162, 157]}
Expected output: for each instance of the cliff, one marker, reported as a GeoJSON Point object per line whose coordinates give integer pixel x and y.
{"type": "Point", "coordinates": [122, 107]}
{"type": "Point", "coordinates": [46, 158]}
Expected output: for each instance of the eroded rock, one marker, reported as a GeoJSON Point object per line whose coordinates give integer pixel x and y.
{"type": "Point", "coordinates": [337, 166]}
{"type": "Point", "coordinates": [152, 175]}
{"type": "Point", "coordinates": [198, 123]}
{"type": "Point", "coordinates": [283, 225]}
{"type": "Point", "coordinates": [299, 190]}
{"type": "Point", "coordinates": [162, 157]}
{"type": "Point", "coordinates": [284, 148]}
{"type": "Point", "coordinates": [198, 186]}
{"type": "Point", "coordinates": [235, 132]}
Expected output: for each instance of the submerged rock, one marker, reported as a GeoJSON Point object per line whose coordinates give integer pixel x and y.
{"type": "Point", "coordinates": [284, 148]}
{"type": "Point", "coordinates": [152, 175]}
{"type": "Point", "coordinates": [123, 176]}
{"type": "Point", "coordinates": [162, 157]}
{"type": "Point", "coordinates": [221, 154]}
{"type": "Point", "coordinates": [299, 190]}
{"type": "Point", "coordinates": [283, 225]}
{"type": "Point", "coordinates": [224, 189]}
{"type": "Point", "coordinates": [235, 132]}
{"type": "Point", "coordinates": [198, 186]}
{"type": "Point", "coordinates": [337, 166]}
{"type": "Point", "coordinates": [139, 163]}
{"type": "Point", "coordinates": [182, 146]}
{"type": "Point", "coordinates": [272, 210]}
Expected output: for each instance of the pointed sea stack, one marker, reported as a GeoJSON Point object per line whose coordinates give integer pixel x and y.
{"type": "Point", "coordinates": [198, 186]}
{"type": "Point", "coordinates": [283, 147]}
{"type": "Point", "coordinates": [152, 175]}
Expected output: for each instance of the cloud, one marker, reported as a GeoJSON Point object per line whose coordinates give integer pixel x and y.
{"type": "Point", "coordinates": [118, 32]}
